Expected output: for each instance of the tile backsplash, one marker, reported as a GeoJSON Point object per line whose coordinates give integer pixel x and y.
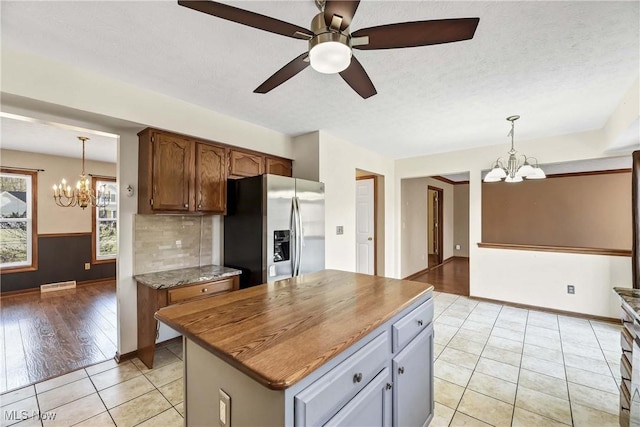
{"type": "Point", "coordinates": [167, 242]}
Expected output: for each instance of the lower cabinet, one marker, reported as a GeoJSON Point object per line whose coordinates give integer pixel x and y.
{"type": "Point", "coordinates": [370, 407]}
{"type": "Point", "coordinates": [413, 382]}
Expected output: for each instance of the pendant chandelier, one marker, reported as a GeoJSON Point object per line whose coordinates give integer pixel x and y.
{"type": "Point", "coordinates": [82, 195]}
{"type": "Point", "coordinates": [514, 171]}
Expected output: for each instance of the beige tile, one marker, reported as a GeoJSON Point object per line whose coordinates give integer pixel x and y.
{"type": "Point", "coordinates": [543, 342]}
{"type": "Point", "coordinates": [497, 369]}
{"type": "Point", "coordinates": [462, 420]}
{"type": "Point", "coordinates": [101, 367]}
{"type": "Point", "coordinates": [31, 422]}
{"type": "Point", "coordinates": [543, 332]}
{"type": "Point", "coordinates": [590, 379]}
{"type": "Point", "coordinates": [544, 384]}
{"type": "Point", "coordinates": [543, 367]}
{"type": "Point", "coordinates": [543, 404]}
{"type": "Point", "coordinates": [100, 420]}
{"type": "Point", "coordinates": [477, 327]}
{"type": "Point", "coordinates": [543, 353]}
{"type": "Point", "coordinates": [486, 408]}
{"type": "Point", "coordinates": [592, 398]}
{"type": "Point", "coordinates": [162, 357]}
{"type": "Point", "coordinates": [166, 374]}
{"type": "Point", "coordinates": [443, 333]}
{"type": "Point", "coordinates": [65, 394]}
{"type": "Point", "coordinates": [14, 396]}
{"type": "Point", "coordinates": [583, 350]}
{"type": "Point", "coordinates": [505, 344]}
{"type": "Point", "coordinates": [77, 411]}
{"type": "Point", "coordinates": [447, 393]}
{"type": "Point", "coordinates": [462, 344]}
{"type": "Point", "coordinates": [441, 415]}
{"type": "Point", "coordinates": [174, 391]}
{"type": "Point", "coordinates": [524, 418]}
{"type": "Point", "coordinates": [18, 411]}
{"type": "Point", "coordinates": [450, 320]}
{"type": "Point", "coordinates": [180, 408]}
{"type": "Point", "coordinates": [437, 350]}
{"type": "Point", "coordinates": [493, 387]}
{"type": "Point", "coordinates": [176, 349]}
{"type": "Point", "coordinates": [479, 337]}
{"type": "Point", "coordinates": [123, 372]}
{"type": "Point", "coordinates": [452, 373]}
{"type": "Point", "coordinates": [488, 320]}
{"type": "Point", "coordinates": [588, 417]}
{"type": "Point", "coordinates": [587, 364]}
{"type": "Point", "coordinates": [507, 334]}
{"type": "Point", "coordinates": [139, 409]}
{"type": "Point", "coordinates": [168, 418]}
{"type": "Point", "coordinates": [516, 326]}
{"type": "Point", "coordinates": [505, 356]}
{"type": "Point", "coordinates": [61, 380]}
{"type": "Point", "coordinates": [460, 358]}
{"type": "Point", "coordinates": [125, 391]}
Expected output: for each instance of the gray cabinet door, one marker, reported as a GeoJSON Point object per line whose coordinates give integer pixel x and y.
{"type": "Point", "coordinates": [369, 408]}
{"type": "Point", "coordinates": [413, 382]}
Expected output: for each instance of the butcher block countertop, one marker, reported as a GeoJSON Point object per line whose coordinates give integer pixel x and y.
{"type": "Point", "coordinates": [278, 333]}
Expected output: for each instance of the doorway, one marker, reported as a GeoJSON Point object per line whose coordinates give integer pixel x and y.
{"type": "Point", "coordinates": [365, 224]}
{"type": "Point", "coordinates": [435, 197]}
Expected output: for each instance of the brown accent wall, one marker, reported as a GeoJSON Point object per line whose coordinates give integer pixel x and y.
{"type": "Point", "coordinates": [60, 258]}
{"type": "Point", "coordinates": [588, 211]}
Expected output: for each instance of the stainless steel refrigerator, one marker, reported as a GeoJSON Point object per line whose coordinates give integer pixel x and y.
{"type": "Point", "coordinates": [274, 228]}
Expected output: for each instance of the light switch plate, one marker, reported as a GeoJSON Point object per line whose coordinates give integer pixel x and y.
{"type": "Point", "coordinates": [225, 409]}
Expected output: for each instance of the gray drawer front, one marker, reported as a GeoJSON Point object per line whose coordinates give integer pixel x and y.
{"type": "Point", "coordinates": [322, 398]}
{"type": "Point", "coordinates": [412, 324]}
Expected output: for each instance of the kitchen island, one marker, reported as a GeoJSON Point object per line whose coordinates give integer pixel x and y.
{"type": "Point", "coordinates": [330, 347]}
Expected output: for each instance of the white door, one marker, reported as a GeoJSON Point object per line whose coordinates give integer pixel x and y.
{"type": "Point", "coordinates": [365, 225]}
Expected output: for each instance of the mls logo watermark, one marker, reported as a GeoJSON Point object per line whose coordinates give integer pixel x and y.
{"type": "Point", "coordinates": [16, 415]}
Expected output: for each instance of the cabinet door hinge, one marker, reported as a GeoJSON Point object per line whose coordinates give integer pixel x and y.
{"type": "Point", "coordinates": [151, 202]}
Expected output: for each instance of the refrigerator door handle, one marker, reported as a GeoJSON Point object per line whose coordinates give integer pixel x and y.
{"type": "Point", "coordinates": [293, 236]}
{"type": "Point", "coordinates": [298, 236]}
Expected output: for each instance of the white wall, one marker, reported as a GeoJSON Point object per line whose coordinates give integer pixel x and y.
{"type": "Point", "coordinates": [306, 151]}
{"type": "Point", "coordinates": [498, 274]}
{"type": "Point", "coordinates": [339, 160]}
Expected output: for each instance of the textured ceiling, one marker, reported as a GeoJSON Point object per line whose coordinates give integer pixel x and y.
{"type": "Point", "coordinates": [562, 66]}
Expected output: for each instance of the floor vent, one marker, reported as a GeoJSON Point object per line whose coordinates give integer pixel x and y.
{"type": "Point", "coordinates": [58, 286]}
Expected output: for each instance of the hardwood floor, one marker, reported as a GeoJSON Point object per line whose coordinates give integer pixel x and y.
{"type": "Point", "coordinates": [46, 335]}
{"type": "Point", "coordinates": [451, 277]}
{"type": "Point", "coordinates": [432, 261]}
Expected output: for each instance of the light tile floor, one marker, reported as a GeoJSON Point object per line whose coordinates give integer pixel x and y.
{"type": "Point", "coordinates": [106, 394]}
{"type": "Point", "coordinates": [494, 365]}
{"type": "Point", "coordinates": [499, 365]}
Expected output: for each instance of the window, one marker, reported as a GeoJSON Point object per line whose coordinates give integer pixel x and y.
{"type": "Point", "coordinates": [104, 229]}
{"type": "Point", "coordinates": [18, 223]}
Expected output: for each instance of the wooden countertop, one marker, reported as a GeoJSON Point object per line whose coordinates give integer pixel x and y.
{"type": "Point", "coordinates": [278, 333]}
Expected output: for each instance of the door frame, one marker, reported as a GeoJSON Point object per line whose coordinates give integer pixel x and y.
{"type": "Point", "coordinates": [440, 193]}
{"type": "Point", "coordinates": [375, 219]}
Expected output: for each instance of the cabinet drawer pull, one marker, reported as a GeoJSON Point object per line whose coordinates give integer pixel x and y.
{"type": "Point", "coordinates": [186, 205]}
{"type": "Point", "coordinates": [204, 290]}
{"type": "Point", "coordinates": [357, 377]}
{"type": "Point", "coordinates": [389, 386]}
{"type": "Point", "coordinates": [419, 322]}
{"type": "Point", "coordinates": [199, 205]}
{"type": "Point", "coordinates": [401, 370]}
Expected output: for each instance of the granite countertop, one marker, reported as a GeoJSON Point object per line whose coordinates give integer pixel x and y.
{"type": "Point", "coordinates": [183, 276]}
{"type": "Point", "coordinates": [630, 297]}
{"type": "Point", "coordinates": [280, 332]}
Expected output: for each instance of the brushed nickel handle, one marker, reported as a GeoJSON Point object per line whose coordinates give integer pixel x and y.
{"type": "Point", "coordinates": [186, 205]}
{"type": "Point", "coordinates": [370, 238]}
{"type": "Point", "coordinates": [389, 386]}
{"type": "Point", "coordinates": [357, 377]}
{"type": "Point", "coordinates": [401, 370]}
{"type": "Point", "coordinates": [420, 323]}
{"type": "Point", "coordinates": [204, 290]}
{"type": "Point", "coordinates": [199, 205]}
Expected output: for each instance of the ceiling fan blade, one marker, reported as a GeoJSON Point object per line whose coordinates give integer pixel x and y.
{"type": "Point", "coordinates": [245, 17]}
{"type": "Point", "coordinates": [342, 8]}
{"type": "Point", "coordinates": [284, 74]}
{"type": "Point", "coordinates": [357, 78]}
{"type": "Point", "coordinates": [419, 33]}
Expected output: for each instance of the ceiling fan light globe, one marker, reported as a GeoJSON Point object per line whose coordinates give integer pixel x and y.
{"type": "Point", "coordinates": [330, 57]}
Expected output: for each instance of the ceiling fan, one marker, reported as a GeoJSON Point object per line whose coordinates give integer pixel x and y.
{"type": "Point", "coordinates": [331, 42]}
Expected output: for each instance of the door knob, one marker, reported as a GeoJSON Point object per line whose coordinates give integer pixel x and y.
{"type": "Point", "coordinates": [357, 377]}
{"type": "Point", "coordinates": [370, 238]}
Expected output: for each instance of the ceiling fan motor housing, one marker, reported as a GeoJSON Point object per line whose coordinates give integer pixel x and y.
{"type": "Point", "coordinates": [329, 49]}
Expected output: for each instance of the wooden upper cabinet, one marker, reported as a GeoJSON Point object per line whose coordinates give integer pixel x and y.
{"type": "Point", "coordinates": [242, 163]}
{"type": "Point", "coordinates": [211, 180]}
{"type": "Point", "coordinates": [278, 166]}
{"type": "Point", "coordinates": [172, 172]}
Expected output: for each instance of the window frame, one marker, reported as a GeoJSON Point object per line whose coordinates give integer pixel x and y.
{"type": "Point", "coordinates": [94, 222]}
{"type": "Point", "coordinates": [33, 266]}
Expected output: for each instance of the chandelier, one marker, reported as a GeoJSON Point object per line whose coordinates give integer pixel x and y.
{"type": "Point", "coordinates": [83, 195]}
{"type": "Point", "coordinates": [514, 171]}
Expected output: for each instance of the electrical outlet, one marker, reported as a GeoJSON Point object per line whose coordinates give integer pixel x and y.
{"type": "Point", "coordinates": [339, 229]}
{"type": "Point", "coordinates": [224, 408]}
{"type": "Point", "coordinates": [87, 266]}
{"type": "Point", "coordinates": [571, 289]}
{"type": "Point", "coordinates": [457, 247]}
